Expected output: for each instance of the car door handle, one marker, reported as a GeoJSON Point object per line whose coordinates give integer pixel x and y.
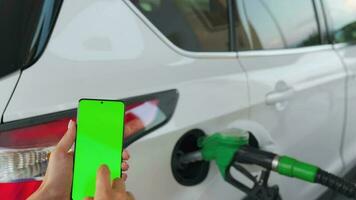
{"type": "Point", "coordinates": [279, 96]}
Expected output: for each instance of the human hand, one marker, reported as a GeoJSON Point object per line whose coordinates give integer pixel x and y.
{"type": "Point", "coordinates": [107, 190]}
{"type": "Point", "coordinates": [57, 182]}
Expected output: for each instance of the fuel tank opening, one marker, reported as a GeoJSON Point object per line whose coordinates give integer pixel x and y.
{"type": "Point", "coordinates": [191, 173]}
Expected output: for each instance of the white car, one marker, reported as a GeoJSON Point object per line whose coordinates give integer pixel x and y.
{"type": "Point", "coordinates": [284, 70]}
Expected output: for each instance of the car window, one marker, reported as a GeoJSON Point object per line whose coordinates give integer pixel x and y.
{"type": "Point", "coordinates": [194, 25]}
{"type": "Point", "coordinates": [276, 24]}
{"type": "Point", "coordinates": [343, 19]}
{"type": "Point", "coordinates": [25, 28]}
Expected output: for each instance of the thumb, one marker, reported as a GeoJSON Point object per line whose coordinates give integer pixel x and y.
{"type": "Point", "coordinates": [103, 183]}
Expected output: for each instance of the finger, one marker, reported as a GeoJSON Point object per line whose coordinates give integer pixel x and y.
{"type": "Point", "coordinates": [125, 155]}
{"type": "Point", "coordinates": [71, 153]}
{"type": "Point", "coordinates": [125, 166]}
{"type": "Point", "coordinates": [68, 139]}
{"type": "Point", "coordinates": [124, 176]}
{"type": "Point", "coordinates": [88, 198]}
{"type": "Point", "coordinates": [118, 185]}
{"type": "Point", "coordinates": [103, 183]}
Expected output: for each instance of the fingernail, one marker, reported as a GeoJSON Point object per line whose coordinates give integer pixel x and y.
{"type": "Point", "coordinates": [104, 169]}
{"type": "Point", "coordinates": [70, 124]}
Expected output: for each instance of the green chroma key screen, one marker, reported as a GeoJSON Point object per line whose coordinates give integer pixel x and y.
{"type": "Point", "coordinates": [99, 140]}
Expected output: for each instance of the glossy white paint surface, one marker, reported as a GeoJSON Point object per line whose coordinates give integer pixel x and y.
{"type": "Point", "coordinates": [103, 49]}
{"type": "Point", "coordinates": [298, 97]}
{"type": "Point", "coordinates": [348, 54]}
{"type": "Point", "coordinates": [7, 84]}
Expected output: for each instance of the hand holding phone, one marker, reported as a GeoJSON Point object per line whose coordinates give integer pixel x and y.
{"type": "Point", "coordinates": [58, 178]}
{"type": "Point", "coordinates": [99, 141]}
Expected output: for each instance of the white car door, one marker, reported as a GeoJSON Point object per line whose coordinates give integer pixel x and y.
{"type": "Point", "coordinates": [342, 21]}
{"type": "Point", "coordinates": [297, 85]}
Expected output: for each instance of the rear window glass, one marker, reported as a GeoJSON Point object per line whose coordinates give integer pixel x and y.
{"type": "Point", "coordinates": [277, 24]}
{"type": "Point", "coordinates": [343, 19]}
{"type": "Point", "coordinates": [25, 26]}
{"type": "Point", "coordinates": [194, 25]}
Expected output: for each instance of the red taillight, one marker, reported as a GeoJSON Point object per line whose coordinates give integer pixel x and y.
{"type": "Point", "coordinates": [23, 150]}
{"type": "Point", "coordinates": [141, 116]}
{"type": "Point", "coordinates": [18, 190]}
{"type": "Point", "coordinates": [42, 135]}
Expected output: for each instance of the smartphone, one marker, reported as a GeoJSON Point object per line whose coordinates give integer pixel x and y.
{"type": "Point", "coordinates": [99, 140]}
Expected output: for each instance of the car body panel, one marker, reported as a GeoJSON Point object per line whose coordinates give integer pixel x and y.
{"type": "Point", "coordinates": [7, 85]}
{"type": "Point", "coordinates": [296, 95]}
{"type": "Point", "coordinates": [72, 52]}
{"type": "Point", "coordinates": [348, 55]}
{"type": "Point", "coordinates": [341, 20]}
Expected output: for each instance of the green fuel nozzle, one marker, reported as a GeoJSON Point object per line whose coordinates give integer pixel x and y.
{"type": "Point", "coordinates": [226, 150]}
{"type": "Point", "coordinates": [221, 148]}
